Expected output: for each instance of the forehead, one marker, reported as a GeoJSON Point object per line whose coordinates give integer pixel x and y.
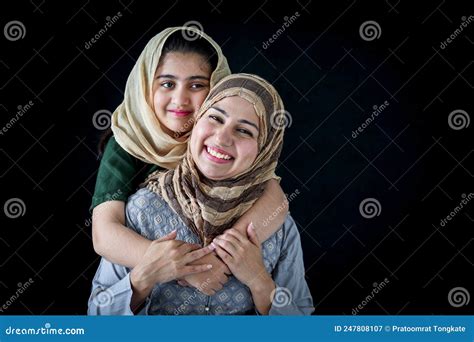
{"type": "Point", "coordinates": [238, 107]}
{"type": "Point", "coordinates": [187, 64]}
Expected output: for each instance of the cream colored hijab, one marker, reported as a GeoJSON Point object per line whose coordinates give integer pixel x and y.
{"type": "Point", "coordinates": [134, 123]}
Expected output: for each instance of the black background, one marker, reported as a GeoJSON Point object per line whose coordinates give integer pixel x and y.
{"type": "Point", "coordinates": [409, 158]}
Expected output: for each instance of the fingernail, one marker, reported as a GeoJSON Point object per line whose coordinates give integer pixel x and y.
{"type": "Point", "coordinates": [209, 266]}
{"type": "Point", "coordinates": [212, 246]}
{"type": "Point", "coordinates": [251, 226]}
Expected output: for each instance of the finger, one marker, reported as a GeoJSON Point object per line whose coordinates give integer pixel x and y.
{"type": "Point", "coordinates": [236, 234]}
{"type": "Point", "coordinates": [229, 243]}
{"type": "Point", "coordinates": [198, 254]}
{"type": "Point", "coordinates": [192, 269]}
{"type": "Point", "coordinates": [169, 236]}
{"type": "Point", "coordinates": [185, 248]}
{"type": "Point", "coordinates": [252, 234]}
{"type": "Point", "coordinates": [226, 257]}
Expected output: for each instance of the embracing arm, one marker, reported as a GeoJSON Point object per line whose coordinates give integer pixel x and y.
{"type": "Point", "coordinates": [267, 214]}
{"type": "Point", "coordinates": [112, 239]}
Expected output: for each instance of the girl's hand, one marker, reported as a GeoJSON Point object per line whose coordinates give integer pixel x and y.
{"type": "Point", "coordinates": [167, 259]}
{"type": "Point", "coordinates": [243, 255]}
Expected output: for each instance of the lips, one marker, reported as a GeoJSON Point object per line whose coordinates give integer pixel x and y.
{"type": "Point", "coordinates": [179, 112]}
{"type": "Point", "coordinates": [217, 155]}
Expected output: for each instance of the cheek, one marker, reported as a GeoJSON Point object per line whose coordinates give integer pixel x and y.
{"type": "Point", "coordinates": [159, 100]}
{"type": "Point", "coordinates": [249, 151]}
{"type": "Point", "coordinates": [198, 99]}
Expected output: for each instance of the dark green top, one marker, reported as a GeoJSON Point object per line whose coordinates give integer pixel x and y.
{"type": "Point", "coordinates": [119, 174]}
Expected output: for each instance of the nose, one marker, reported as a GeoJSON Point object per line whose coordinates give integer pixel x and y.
{"type": "Point", "coordinates": [181, 96]}
{"type": "Point", "coordinates": [223, 136]}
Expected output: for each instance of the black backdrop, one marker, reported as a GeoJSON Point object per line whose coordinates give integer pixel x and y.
{"type": "Point", "coordinates": [412, 160]}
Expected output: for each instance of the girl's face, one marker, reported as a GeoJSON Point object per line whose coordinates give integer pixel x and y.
{"type": "Point", "coordinates": [180, 85]}
{"type": "Point", "coordinates": [224, 140]}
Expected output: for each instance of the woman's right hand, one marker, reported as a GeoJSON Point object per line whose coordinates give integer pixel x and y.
{"type": "Point", "coordinates": [167, 259]}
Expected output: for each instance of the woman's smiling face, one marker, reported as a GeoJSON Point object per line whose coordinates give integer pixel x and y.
{"type": "Point", "coordinates": [180, 86]}
{"type": "Point", "coordinates": [224, 140]}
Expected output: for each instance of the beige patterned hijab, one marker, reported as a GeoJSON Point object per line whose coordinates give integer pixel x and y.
{"type": "Point", "coordinates": [209, 207]}
{"type": "Point", "coordinates": [134, 123]}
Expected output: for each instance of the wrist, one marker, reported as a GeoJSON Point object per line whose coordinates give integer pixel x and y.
{"type": "Point", "coordinates": [264, 284]}
{"type": "Point", "coordinates": [138, 283]}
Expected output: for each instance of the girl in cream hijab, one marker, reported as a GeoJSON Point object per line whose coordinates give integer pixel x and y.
{"type": "Point", "coordinates": [151, 127]}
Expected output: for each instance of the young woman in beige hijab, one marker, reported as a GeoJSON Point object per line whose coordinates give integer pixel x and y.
{"type": "Point", "coordinates": [151, 127]}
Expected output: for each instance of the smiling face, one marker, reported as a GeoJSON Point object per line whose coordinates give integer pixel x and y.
{"type": "Point", "coordinates": [224, 140]}
{"type": "Point", "coordinates": [180, 85]}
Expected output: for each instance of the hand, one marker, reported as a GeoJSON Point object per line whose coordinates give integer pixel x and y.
{"type": "Point", "coordinates": [211, 281]}
{"type": "Point", "coordinates": [243, 255]}
{"type": "Point", "coordinates": [167, 259]}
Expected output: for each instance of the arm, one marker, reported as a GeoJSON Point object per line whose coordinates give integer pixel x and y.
{"type": "Point", "coordinates": [267, 214]}
{"type": "Point", "coordinates": [112, 239]}
{"type": "Point", "coordinates": [292, 295]}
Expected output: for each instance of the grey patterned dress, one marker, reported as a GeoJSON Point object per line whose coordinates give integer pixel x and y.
{"type": "Point", "coordinates": [150, 216]}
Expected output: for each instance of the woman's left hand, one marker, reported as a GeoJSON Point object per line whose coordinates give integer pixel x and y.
{"type": "Point", "coordinates": [243, 255]}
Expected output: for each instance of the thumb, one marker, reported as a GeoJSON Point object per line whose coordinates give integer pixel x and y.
{"type": "Point", "coordinates": [169, 236]}
{"type": "Point", "coordinates": [252, 234]}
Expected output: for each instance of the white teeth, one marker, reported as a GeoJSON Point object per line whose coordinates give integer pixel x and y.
{"type": "Point", "coordinates": [217, 154]}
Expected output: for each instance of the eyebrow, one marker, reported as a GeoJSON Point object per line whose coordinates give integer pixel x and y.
{"type": "Point", "coordinates": [241, 121]}
{"type": "Point", "coordinates": [190, 78]}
